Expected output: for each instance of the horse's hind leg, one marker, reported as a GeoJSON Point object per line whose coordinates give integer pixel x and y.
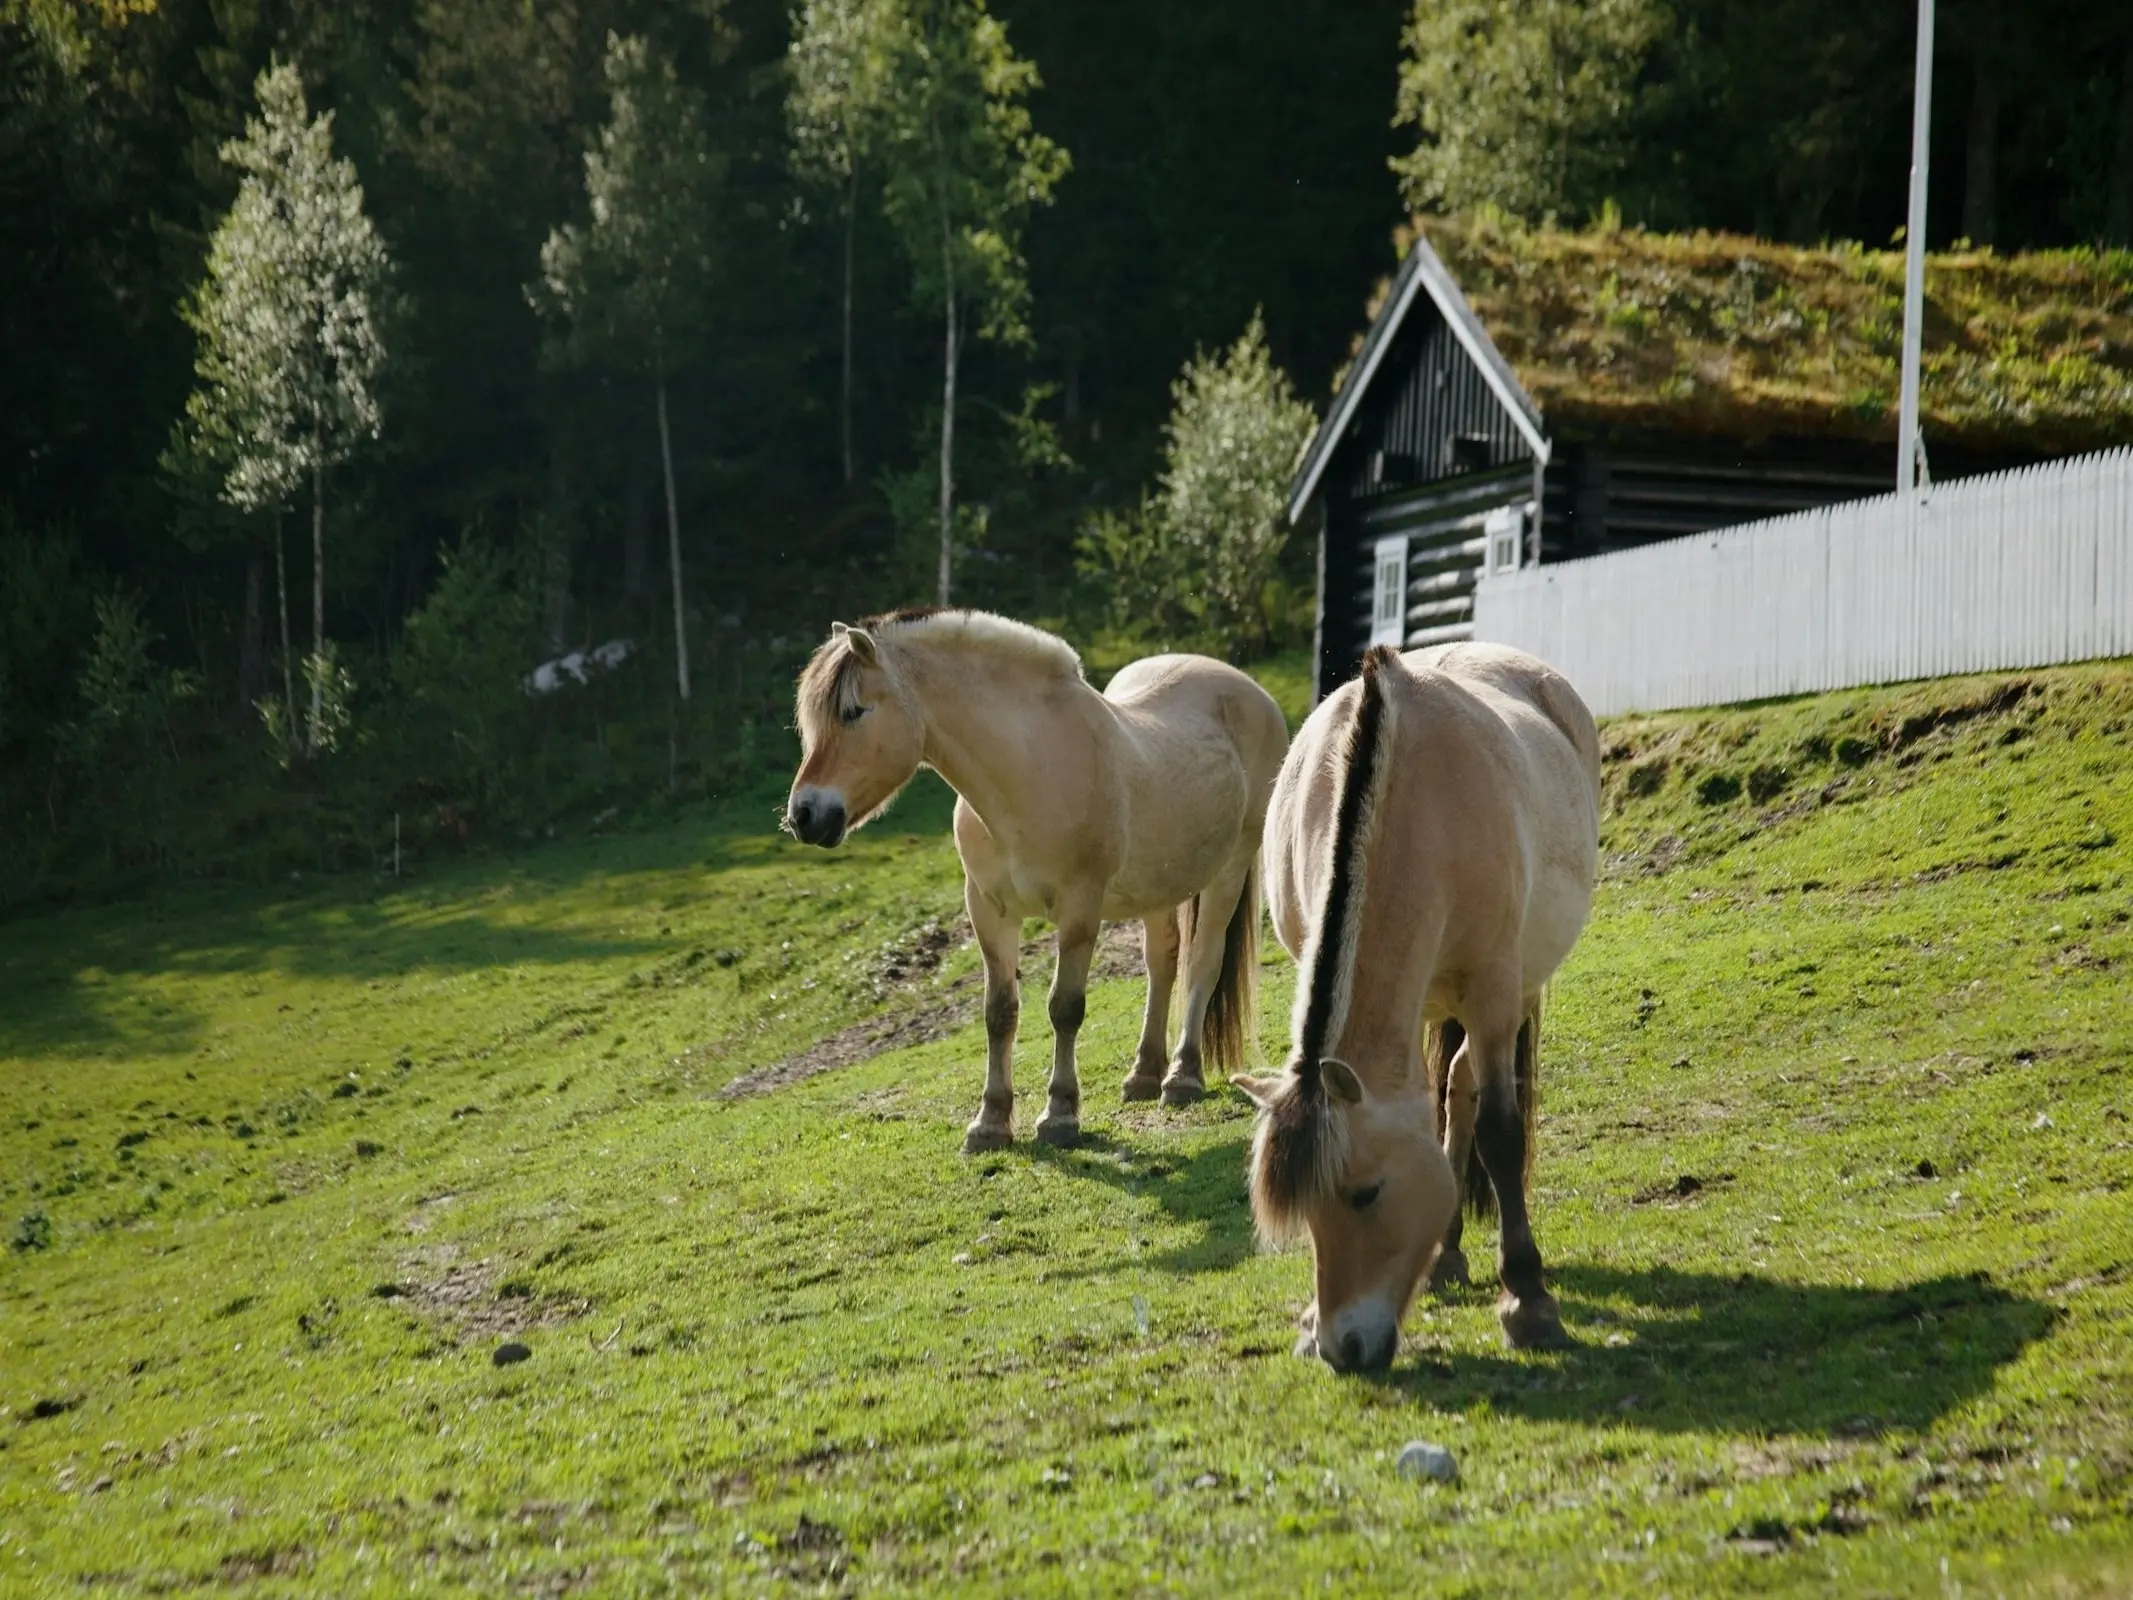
{"type": "Point", "coordinates": [1528, 1312]}
{"type": "Point", "coordinates": [1462, 1099]}
{"type": "Point", "coordinates": [1203, 970]}
{"type": "Point", "coordinates": [1159, 944]}
{"type": "Point", "coordinates": [1061, 1122]}
{"type": "Point", "coordinates": [999, 941]}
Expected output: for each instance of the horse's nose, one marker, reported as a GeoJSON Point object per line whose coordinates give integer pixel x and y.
{"type": "Point", "coordinates": [1352, 1352]}
{"type": "Point", "coordinates": [816, 818]}
{"type": "Point", "coordinates": [801, 815]}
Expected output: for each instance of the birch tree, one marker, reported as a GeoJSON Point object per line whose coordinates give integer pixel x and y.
{"type": "Point", "coordinates": [626, 289]}
{"type": "Point", "coordinates": [840, 67]}
{"type": "Point", "coordinates": [290, 353]}
{"type": "Point", "coordinates": [964, 164]}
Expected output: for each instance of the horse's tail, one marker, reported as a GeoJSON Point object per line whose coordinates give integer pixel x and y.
{"type": "Point", "coordinates": [1440, 1042]}
{"type": "Point", "coordinates": [1225, 1035]}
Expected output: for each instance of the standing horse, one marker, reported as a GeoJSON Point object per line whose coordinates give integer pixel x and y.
{"type": "Point", "coordinates": [1145, 802]}
{"type": "Point", "coordinates": [1429, 860]}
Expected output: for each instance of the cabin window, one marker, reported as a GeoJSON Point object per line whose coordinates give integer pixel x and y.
{"type": "Point", "coordinates": [1388, 618]}
{"type": "Point", "coordinates": [1470, 452]}
{"type": "Point", "coordinates": [1505, 532]}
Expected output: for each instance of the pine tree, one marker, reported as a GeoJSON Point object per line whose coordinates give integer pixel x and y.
{"type": "Point", "coordinates": [627, 289]}
{"type": "Point", "coordinates": [290, 351]}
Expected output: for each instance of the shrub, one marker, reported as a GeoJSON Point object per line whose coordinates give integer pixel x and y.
{"type": "Point", "coordinates": [1716, 788]}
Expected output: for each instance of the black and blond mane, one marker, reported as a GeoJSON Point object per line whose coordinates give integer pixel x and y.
{"type": "Point", "coordinates": [829, 683]}
{"type": "Point", "coordinates": [1299, 1153]}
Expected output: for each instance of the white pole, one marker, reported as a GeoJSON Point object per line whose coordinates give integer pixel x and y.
{"type": "Point", "coordinates": [1910, 448]}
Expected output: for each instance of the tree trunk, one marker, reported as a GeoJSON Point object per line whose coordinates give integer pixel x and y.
{"type": "Point", "coordinates": [318, 597]}
{"type": "Point", "coordinates": [851, 219]}
{"type": "Point", "coordinates": [681, 628]}
{"type": "Point", "coordinates": [555, 553]}
{"type": "Point", "coordinates": [281, 587]}
{"type": "Point", "coordinates": [2118, 214]}
{"type": "Point", "coordinates": [252, 647]}
{"type": "Point", "coordinates": [948, 365]}
{"type": "Point", "coordinates": [1981, 154]}
{"type": "Point", "coordinates": [636, 556]}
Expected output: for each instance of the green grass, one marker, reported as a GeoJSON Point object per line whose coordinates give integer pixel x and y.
{"type": "Point", "coordinates": [286, 1169]}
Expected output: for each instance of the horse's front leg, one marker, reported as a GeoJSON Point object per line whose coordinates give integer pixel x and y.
{"type": "Point", "coordinates": [1159, 944]}
{"type": "Point", "coordinates": [1061, 1122]}
{"type": "Point", "coordinates": [1530, 1317]}
{"type": "Point", "coordinates": [1000, 942]}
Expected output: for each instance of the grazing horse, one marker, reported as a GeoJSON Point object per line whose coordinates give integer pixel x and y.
{"type": "Point", "coordinates": [1429, 861]}
{"type": "Point", "coordinates": [1145, 802]}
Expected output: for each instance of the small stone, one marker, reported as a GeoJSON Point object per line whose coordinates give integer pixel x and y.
{"type": "Point", "coordinates": [2044, 1120]}
{"type": "Point", "coordinates": [511, 1353]}
{"type": "Point", "coordinates": [961, 1258]}
{"type": "Point", "coordinates": [1419, 1459]}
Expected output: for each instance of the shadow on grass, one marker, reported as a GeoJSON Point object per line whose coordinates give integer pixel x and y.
{"type": "Point", "coordinates": [1696, 1352]}
{"type": "Point", "coordinates": [1205, 1189]}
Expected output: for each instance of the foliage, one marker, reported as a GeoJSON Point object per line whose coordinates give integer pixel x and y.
{"type": "Point", "coordinates": [1745, 337]}
{"type": "Point", "coordinates": [628, 288]}
{"type": "Point", "coordinates": [1528, 105]}
{"type": "Point", "coordinates": [460, 667]}
{"type": "Point", "coordinates": [1201, 558]}
{"type": "Point", "coordinates": [126, 698]}
{"type": "Point", "coordinates": [842, 67]}
{"type": "Point", "coordinates": [1832, 1180]}
{"type": "Point", "coordinates": [288, 313]}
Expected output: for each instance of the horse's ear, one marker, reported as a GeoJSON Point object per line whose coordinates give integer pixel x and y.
{"type": "Point", "coordinates": [838, 630]}
{"type": "Point", "coordinates": [1340, 1080]}
{"type": "Point", "coordinates": [862, 643]}
{"type": "Point", "coordinates": [1260, 1091]}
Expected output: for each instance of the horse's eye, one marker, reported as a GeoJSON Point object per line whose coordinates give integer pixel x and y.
{"type": "Point", "coordinates": [851, 714]}
{"type": "Point", "coordinates": [1363, 1199]}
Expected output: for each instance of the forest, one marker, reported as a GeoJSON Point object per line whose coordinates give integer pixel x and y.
{"type": "Point", "coordinates": [699, 325]}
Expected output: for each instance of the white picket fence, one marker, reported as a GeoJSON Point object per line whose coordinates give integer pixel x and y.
{"type": "Point", "coordinates": [2016, 569]}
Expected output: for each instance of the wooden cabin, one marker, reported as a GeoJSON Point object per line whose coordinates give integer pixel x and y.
{"type": "Point", "coordinates": [1528, 396]}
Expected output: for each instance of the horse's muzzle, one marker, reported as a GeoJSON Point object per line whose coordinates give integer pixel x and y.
{"type": "Point", "coordinates": [1361, 1351]}
{"type": "Point", "coordinates": [816, 819]}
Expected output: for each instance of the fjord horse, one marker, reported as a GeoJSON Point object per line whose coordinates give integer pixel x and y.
{"type": "Point", "coordinates": [1144, 802]}
{"type": "Point", "coordinates": [1430, 855]}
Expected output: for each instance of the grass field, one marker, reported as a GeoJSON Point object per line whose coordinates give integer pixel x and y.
{"type": "Point", "coordinates": [1833, 1183]}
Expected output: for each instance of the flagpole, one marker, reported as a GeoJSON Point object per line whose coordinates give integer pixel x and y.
{"type": "Point", "coordinates": [1910, 448]}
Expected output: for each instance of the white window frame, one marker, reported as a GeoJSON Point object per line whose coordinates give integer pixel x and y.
{"type": "Point", "coordinates": [1504, 532]}
{"type": "Point", "coordinates": [1388, 592]}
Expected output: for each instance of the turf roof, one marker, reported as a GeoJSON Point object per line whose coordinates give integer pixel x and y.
{"type": "Point", "coordinates": [1738, 337]}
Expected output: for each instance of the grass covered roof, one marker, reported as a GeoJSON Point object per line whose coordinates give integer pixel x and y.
{"type": "Point", "coordinates": [1737, 337]}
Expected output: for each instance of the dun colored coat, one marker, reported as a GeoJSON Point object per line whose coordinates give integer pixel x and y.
{"type": "Point", "coordinates": [1145, 802]}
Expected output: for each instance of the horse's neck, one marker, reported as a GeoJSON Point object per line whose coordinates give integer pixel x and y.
{"type": "Point", "coordinates": [983, 714]}
{"type": "Point", "coordinates": [1379, 1031]}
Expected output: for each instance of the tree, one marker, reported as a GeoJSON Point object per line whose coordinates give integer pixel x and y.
{"type": "Point", "coordinates": [1522, 104]}
{"type": "Point", "coordinates": [965, 165]}
{"type": "Point", "coordinates": [289, 348]}
{"type": "Point", "coordinates": [628, 287]}
{"type": "Point", "coordinates": [840, 63]}
{"type": "Point", "coordinates": [1200, 555]}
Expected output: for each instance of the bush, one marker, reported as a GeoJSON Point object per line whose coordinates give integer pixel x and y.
{"type": "Point", "coordinates": [1199, 561]}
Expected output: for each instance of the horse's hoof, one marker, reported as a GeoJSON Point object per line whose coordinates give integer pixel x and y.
{"type": "Point", "coordinates": [1183, 1091]}
{"type": "Point", "coordinates": [1533, 1323]}
{"type": "Point", "coordinates": [1141, 1086]}
{"type": "Point", "coordinates": [1059, 1132]}
{"type": "Point", "coordinates": [1449, 1272]}
{"type": "Point", "coordinates": [980, 1137]}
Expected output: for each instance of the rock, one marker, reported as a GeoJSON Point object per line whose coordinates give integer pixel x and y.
{"type": "Point", "coordinates": [1420, 1459]}
{"type": "Point", "coordinates": [510, 1353]}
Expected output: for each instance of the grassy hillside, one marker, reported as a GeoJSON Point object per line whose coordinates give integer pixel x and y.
{"type": "Point", "coordinates": [1833, 1181]}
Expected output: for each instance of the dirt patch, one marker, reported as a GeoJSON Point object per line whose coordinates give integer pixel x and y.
{"type": "Point", "coordinates": [1118, 955]}
{"type": "Point", "coordinates": [467, 1296]}
{"type": "Point", "coordinates": [1898, 734]}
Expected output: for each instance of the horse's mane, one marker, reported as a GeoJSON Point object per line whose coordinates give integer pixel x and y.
{"type": "Point", "coordinates": [830, 677]}
{"type": "Point", "coordinates": [1299, 1152]}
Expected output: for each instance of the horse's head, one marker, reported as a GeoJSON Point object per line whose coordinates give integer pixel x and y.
{"type": "Point", "coordinates": [1361, 1173]}
{"type": "Point", "coordinates": [860, 739]}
